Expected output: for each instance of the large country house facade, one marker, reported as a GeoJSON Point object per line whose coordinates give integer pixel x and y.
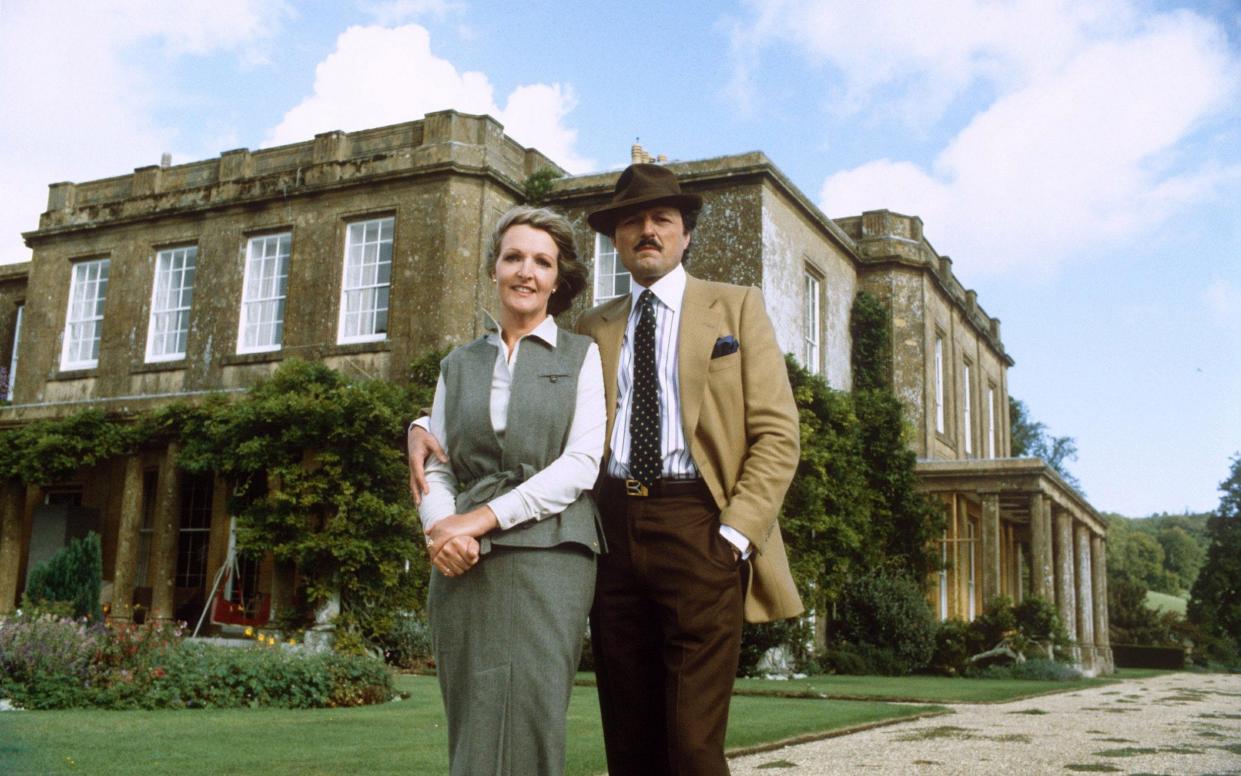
{"type": "Point", "coordinates": [363, 250]}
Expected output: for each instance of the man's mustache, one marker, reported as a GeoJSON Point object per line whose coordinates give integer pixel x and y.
{"type": "Point", "coordinates": [648, 242]}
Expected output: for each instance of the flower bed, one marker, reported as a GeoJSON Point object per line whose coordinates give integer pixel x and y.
{"type": "Point", "coordinates": [47, 662]}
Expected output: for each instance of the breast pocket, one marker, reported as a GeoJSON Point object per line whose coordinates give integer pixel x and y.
{"type": "Point", "coordinates": [731, 361]}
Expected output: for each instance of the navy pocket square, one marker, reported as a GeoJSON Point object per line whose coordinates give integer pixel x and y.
{"type": "Point", "coordinates": [725, 346]}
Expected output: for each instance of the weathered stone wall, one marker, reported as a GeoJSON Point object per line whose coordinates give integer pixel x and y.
{"type": "Point", "coordinates": [794, 243]}
{"type": "Point", "coordinates": [444, 195]}
{"type": "Point", "coordinates": [926, 301]}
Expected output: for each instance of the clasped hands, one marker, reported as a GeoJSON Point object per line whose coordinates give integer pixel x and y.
{"type": "Point", "coordinates": [452, 543]}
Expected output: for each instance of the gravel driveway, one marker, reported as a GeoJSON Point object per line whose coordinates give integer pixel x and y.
{"type": "Point", "coordinates": [1171, 724]}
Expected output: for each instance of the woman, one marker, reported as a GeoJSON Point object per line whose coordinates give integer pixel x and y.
{"type": "Point", "coordinates": [510, 529]}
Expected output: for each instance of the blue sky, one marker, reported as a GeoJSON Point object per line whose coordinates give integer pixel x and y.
{"type": "Point", "coordinates": [1079, 161]}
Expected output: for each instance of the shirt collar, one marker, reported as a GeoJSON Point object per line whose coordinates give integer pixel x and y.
{"type": "Point", "coordinates": [670, 289]}
{"type": "Point", "coordinates": [546, 331]}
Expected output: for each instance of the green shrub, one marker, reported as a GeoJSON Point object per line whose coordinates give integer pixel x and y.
{"type": "Point", "coordinates": [758, 638]}
{"type": "Point", "coordinates": [408, 644]}
{"type": "Point", "coordinates": [1036, 669]}
{"type": "Point", "coordinates": [845, 660]}
{"type": "Point", "coordinates": [952, 647]}
{"type": "Point", "coordinates": [885, 617]}
{"type": "Point", "coordinates": [73, 575]}
{"type": "Point", "coordinates": [45, 661]}
{"type": "Point", "coordinates": [49, 663]}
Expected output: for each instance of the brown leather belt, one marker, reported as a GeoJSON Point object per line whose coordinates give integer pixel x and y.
{"type": "Point", "coordinates": [658, 489]}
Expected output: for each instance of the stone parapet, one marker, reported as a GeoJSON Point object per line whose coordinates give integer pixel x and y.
{"type": "Point", "coordinates": [443, 140]}
{"type": "Point", "coordinates": [883, 237]}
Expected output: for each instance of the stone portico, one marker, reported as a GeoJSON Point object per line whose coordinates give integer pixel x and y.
{"type": "Point", "coordinates": [1015, 528]}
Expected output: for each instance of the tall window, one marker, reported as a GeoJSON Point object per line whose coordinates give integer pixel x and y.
{"type": "Point", "coordinates": [939, 384]}
{"type": "Point", "coordinates": [87, 289]}
{"type": "Point", "coordinates": [991, 445]}
{"type": "Point", "coordinates": [195, 532]}
{"type": "Point", "coordinates": [263, 292]}
{"type": "Point", "coordinates": [969, 549]}
{"type": "Point", "coordinates": [811, 323]}
{"type": "Point", "coordinates": [611, 277]}
{"type": "Point", "coordinates": [364, 291]}
{"type": "Point", "coordinates": [171, 297]}
{"type": "Point", "coordinates": [943, 577]}
{"type": "Point", "coordinates": [967, 409]}
{"type": "Point", "coordinates": [7, 388]}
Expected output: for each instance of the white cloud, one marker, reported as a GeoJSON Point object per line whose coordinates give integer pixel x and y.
{"type": "Point", "coordinates": [379, 76]}
{"type": "Point", "coordinates": [1083, 149]}
{"type": "Point", "coordinates": [1223, 299]}
{"type": "Point", "coordinates": [78, 107]}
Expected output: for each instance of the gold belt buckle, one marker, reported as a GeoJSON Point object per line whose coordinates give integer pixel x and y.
{"type": "Point", "coordinates": [636, 488]}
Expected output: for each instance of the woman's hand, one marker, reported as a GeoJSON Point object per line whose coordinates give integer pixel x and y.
{"type": "Point", "coordinates": [458, 536]}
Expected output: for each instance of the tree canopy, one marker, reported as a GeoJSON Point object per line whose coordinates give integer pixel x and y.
{"type": "Point", "coordinates": [1032, 439]}
{"type": "Point", "coordinates": [1215, 601]}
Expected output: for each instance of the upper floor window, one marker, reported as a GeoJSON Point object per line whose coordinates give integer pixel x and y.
{"type": "Point", "coordinates": [939, 384]}
{"type": "Point", "coordinates": [364, 290]}
{"type": "Point", "coordinates": [967, 409]}
{"type": "Point", "coordinates": [171, 298]}
{"type": "Point", "coordinates": [6, 384]}
{"type": "Point", "coordinates": [88, 286]}
{"type": "Point", "coordinates": [811, 323]}
{"type": "Point", "coordinates": [263, 292]}
{"type": "Point", "coordinates": [991, 429]}
{"type": "Point", "coordinates": [611, 277]}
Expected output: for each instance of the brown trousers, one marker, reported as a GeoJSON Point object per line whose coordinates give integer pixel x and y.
{"type": "Point", "coordinates": [666, 633]}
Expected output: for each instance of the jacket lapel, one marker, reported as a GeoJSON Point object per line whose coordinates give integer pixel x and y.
{"type": "Point", "coordinates": [700, 322]}
{"type": "Point", "coordinates": [611, 330]}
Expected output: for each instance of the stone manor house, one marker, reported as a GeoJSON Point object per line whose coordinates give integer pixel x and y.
{"type": "Point", "coordinates": [364, 249]}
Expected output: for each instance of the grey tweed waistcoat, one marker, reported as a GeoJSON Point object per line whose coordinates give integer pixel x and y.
{"type": "Point", "coordinates": [540, 412]}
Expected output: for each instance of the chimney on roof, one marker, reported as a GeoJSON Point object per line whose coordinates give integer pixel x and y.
{"type": "Point", "coordinates": [638, 154]}
{"type": "Point", "coordinates": [165, 160]}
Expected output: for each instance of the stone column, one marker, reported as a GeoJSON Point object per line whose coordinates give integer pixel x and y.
{"type": "Point", "coordinates": [164, 541]}
{"type": "Point", "coordinates": [127, 541]}
{"type": "Point", "coordinates": [990, 555]}
{"type": "Point", "coordinates": [1066, 603]}
{"type": "Point", "coordinates": [12, 509]}
{"type": "Point", "coordinates": [1040, 548]}
{"type": "Point", "coordinates": [1098, 573]}
{"type": "Point", "coordinates": [1085, 598]}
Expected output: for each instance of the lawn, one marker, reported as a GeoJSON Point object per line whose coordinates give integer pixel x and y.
{"type": "Point", "coordinates": [1162, 602]}
{"type": "Point", "coordinates": [403, 737]}
{"type": "Point", "coordinates": [922, 689]}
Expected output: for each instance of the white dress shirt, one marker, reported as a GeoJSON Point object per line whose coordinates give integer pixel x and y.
{"type": "Point", "coordinates": [557, 485]}
{"type": "Point", "coordinates": [678, 464]}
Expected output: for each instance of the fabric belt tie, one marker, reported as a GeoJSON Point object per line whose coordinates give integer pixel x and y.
{"type": "Point", "coordinates": [489, 487]}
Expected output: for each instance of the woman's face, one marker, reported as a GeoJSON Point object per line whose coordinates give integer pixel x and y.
{"type": "Point", "coordinates": [526, 270]}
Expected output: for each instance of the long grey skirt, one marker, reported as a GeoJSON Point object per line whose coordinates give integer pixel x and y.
{"type": "Point", "coordinates": [507, 637]}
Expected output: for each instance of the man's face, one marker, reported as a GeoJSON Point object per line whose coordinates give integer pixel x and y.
{"type": "Point", "coordinates": [650, 242]}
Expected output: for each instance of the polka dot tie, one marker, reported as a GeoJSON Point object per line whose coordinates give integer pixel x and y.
{"type": "Point", "coordinates": [644, 460]}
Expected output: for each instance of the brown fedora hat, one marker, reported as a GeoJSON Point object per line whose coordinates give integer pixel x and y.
{"type": "Point", "coordinates": [639, 186]}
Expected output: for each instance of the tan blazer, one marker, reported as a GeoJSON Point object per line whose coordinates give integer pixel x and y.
{"type": "Point", "coordinates": [739, 416]}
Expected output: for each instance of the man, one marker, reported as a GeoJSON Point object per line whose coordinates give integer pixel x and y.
{"type": "Point", "coordinates": [702, 444]}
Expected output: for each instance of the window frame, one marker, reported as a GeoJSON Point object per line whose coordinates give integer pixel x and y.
{"type": "Point", "coordinates": [345, 289]}
{"type": "Point", "coordinates": [991, 427]}
{"type": "Point", "coordinates": [812, 332]}
{"type": "Point", "coordinates": [281, 279]}
{"type": "Point", "coordinates": [941, 423]}
{"type": "Point", "coordinates": [617, 268]}
{"type": "Point", "coordinates": [967, 408]}
{"type": "Point", "coordinates": [180, 313]}
{"type": "Point", "coordinates": [100, 284]}
{"type": "Point", "coordinates": [11, 377]}
{"type": "Point", "coordinates": [193, 541]}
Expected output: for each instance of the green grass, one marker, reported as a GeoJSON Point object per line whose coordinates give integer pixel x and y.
{"type": "Point", "coordinates": [403, 737]}
{"type": "Point", "coordinates": [1162, 602]}
{"type": "Point", "coordinates": [922, 689]}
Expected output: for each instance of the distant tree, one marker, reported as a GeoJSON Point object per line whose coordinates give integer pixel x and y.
{"type": "Point", "coordinates": [1137, 555]}
{"type": "Point", "coordinates": [1031, 439]}
{"type": "Point", "coordinates": [1215, 601]}
{"type": "Point", "coordinates": [1182, 557]}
